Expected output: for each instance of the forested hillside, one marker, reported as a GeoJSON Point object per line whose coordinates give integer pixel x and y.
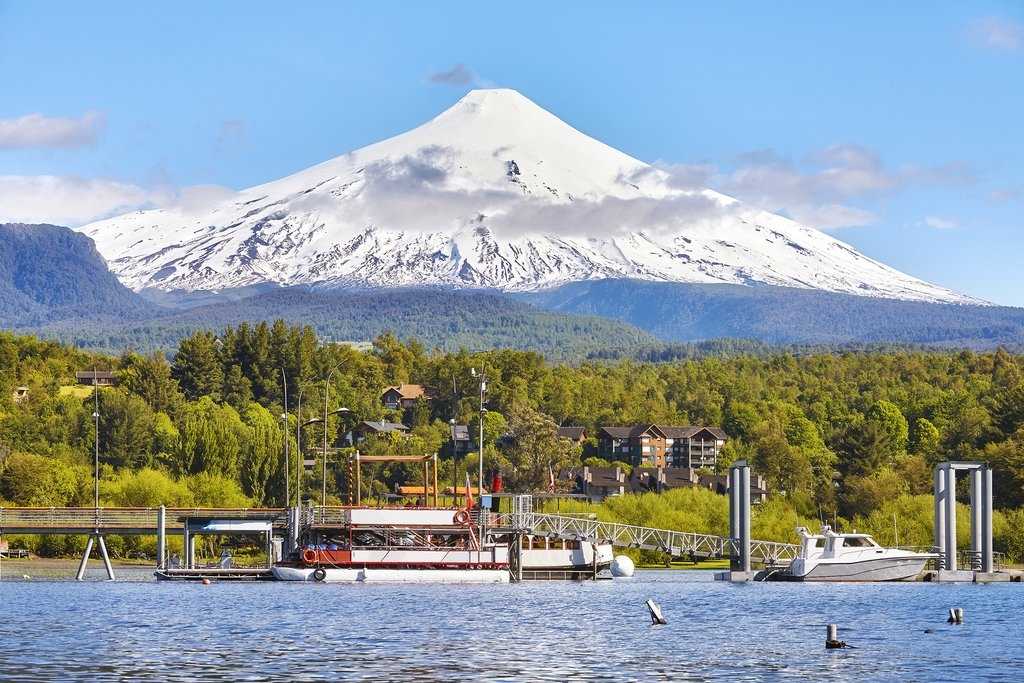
{"type": "Point", "coordinates": [441, 318]}
{"type": "Point", "coordinates": [52, 273]}
{"type": "Point", "coordinates": [838, 436]}
{"type": "Point", "coordinates": [676, 312]}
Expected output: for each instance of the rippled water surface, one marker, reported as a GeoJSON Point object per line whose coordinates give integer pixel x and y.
{"type": "Point", "coordinates": [143, 630]}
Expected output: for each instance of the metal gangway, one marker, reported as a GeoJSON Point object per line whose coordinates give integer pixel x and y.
{"type": "Point", "coordinates": [523, 520]}
{"type": "Point", "coordinates": [675, 543]}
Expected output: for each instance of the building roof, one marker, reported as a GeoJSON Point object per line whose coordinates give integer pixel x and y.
{"type": "Point", "coordinates": [666, 431]}
{"type": "Point", "coordinates": [94, 374]}
{"type": "Point", "coordinates": [572, 433]}
{"type": "Point", "coordinates": [408, 391]}
{"type": "Point", "coordinates": [383, 427]}
{"type": "Point", "coordinates": [418, 490]}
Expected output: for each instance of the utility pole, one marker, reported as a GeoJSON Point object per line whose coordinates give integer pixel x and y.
{"type": "Point", "coordinates": [96, 443]}
{"type": "Point", "coordinates": [284, 431]}
{"type": "Point", "coordinates": [298, 449]}
{"type": "Point", "coordinates": [480, 480]}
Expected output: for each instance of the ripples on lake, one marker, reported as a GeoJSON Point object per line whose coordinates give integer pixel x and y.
{"type": "Point", "coordinates": [533, 631]}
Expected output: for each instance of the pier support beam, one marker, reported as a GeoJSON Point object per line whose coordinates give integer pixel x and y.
{"type": "Point", "coordinates": [739, 520]}
{"type": "Point", "coordinates": [95, 540]}
{"type": "Point", "coordinates": [940, 514]}
{"type": "Point", "coordinates": [986, 521]}
{"type": "Point", "coordinates": [951, 550]}
{"type": "Point", "coordinates": [161, 538]}
{"type": "Point", "coordinates": [976, 519]}
{"type": "Point", "coordinates": [980, 564]}
{"type": "Point", "coordinates": [80, 575]}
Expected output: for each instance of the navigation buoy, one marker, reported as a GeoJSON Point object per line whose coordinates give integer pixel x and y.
{"type": "Point", "coordinates": [657, 618]}
{"type": "Point", "coordinates": [956, 615]}
{"type": "Point", "coordinates": [622, 567]}
{"type": "Point", "coordinates": [832, 641]}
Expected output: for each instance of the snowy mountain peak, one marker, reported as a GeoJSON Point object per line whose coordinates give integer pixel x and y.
{"type": "Point", "coordinates": [493, 192]}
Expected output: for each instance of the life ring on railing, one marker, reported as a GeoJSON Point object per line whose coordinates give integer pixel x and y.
{"type": "Point", "coordinates": [320, 574]}
{"type": "Point", "coordinates": [309, 556]}
{"type": "Point", "coordinates": [461, 517]}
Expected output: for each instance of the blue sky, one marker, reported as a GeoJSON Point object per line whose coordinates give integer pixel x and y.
{"type": "Point", "coordinates": [897, 129]}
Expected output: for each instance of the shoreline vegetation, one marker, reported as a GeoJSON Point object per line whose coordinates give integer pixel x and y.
{"type": "Point", "coordinates": [844, 437]}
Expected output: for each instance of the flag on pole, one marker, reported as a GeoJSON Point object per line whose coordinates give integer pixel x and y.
{"type": "Point", "coordinates": [551, 479]}
{"type": "Point", "coordinates": [469, 494]}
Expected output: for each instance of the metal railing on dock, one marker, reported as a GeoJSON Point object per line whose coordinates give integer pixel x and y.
{"type": "Point", "coordinates": [674, 543]}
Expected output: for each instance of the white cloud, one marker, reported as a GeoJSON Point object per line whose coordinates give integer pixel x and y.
{"type": "Point", "coordinates": [73, 201]}
{"type": "Point", "coordinates": [821, 191]}
{"type": "Point", "coordinates": [997, 33]}
{"type": "Point", "coordinates": [940, 223]}
{"type": "Point", "coordinates": [37, 130]}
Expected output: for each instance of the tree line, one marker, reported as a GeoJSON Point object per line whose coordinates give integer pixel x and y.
{"type": "Point", "coordinates": [838, 436]}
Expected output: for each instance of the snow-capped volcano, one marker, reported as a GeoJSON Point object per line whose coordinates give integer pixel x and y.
{"type": "Point", "coordinates": [494, 192]}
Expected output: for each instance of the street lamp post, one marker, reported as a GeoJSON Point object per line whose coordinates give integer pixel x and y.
{"type": "Point", "coordinates": [480, 480]}
{"type": "Point", "coordinates": [284, 431]}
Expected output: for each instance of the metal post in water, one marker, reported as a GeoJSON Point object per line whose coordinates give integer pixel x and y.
{"type": "Point", "coordinates": [85, 560]}
{"type": "Point", "coordinates": [734, 505]}
{"type": "Point", "coordinates": [940, 514]}
{"type": "Point", "coordinates": [106, 557]}
{"type": "Point", "coordinates": [951, 518]}
{"type": "Point", "coordinates": [184, 546]}
{"type": "Point", "coordinates": [161, 537]}
{"type": "Point", "coordinates": [986, 520]}
{"type": "Point", "coordinates": [976, 518]}
{"type": "Point", "coordinates": [745, 517]}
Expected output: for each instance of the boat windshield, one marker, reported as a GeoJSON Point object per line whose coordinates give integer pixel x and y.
{"type": "Point", "coordinates": [857, 542]}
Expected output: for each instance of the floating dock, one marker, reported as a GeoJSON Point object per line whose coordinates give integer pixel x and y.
{"type": "Point", "coordinates": [215, 574]}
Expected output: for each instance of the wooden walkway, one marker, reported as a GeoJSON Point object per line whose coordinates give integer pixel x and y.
{"type": "Point", "coordinates": [123, 521]}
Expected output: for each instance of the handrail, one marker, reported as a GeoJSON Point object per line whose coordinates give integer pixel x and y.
{"type": "Point", "coordinates": [676, 543]}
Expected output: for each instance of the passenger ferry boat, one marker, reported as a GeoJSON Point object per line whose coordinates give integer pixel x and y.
{"type": "Point", "coordinates": [409, 545]}
{"type": "Point", "coordinates": [830, 556]}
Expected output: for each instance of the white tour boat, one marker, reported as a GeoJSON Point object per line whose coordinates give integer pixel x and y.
{"type": "Point", "coordinates": [829, 556]}
{"type": "Point", "coordinates": [406, 545]}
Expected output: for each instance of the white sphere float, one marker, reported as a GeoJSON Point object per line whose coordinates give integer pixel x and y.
{"type": "Point", "coordinates": [622, 567]}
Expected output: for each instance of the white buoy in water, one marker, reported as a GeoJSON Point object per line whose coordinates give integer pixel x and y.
{"type": "Point", "coordinates": [622, 567]}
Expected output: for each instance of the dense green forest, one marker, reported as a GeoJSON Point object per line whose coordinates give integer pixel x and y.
{"type": "Point", "coordinates": [848, 436]}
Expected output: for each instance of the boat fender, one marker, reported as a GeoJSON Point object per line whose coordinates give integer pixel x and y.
{"type": "Point", "coordinates": [320, 574]}
{"type": "Point", "coordinates": [309, 556]}
{"type": "Point", "coordinates": [461, 517]}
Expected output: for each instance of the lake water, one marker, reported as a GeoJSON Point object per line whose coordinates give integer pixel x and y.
{"type": "Point", "coordinates": [144, 630]}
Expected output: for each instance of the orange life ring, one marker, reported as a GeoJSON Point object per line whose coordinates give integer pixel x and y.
{"type": "Point", "coordinates": [461, 517]}
{"type": "Point", "coordinates": [309, 556]}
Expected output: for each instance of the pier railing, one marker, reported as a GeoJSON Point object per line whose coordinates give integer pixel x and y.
{"type": "Point", "coordinates": [120, 520]}
{"type": "Point", "coordinates": [674, 543]}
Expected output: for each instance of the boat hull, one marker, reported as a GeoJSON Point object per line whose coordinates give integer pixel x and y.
{"type": "Point", "coordinates": [879, 569]}
{"type": "Point", "coordinates": [354, 575]}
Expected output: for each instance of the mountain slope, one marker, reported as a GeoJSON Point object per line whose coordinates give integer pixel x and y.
{"type": "Point", "coordinates": [494, 192]}
{"type": "Point", "coordinates": [50, 273]}
{"type": "Point", "coordinates": [443, 319]}
{"type": "Point", "coordinates": [677, 312]}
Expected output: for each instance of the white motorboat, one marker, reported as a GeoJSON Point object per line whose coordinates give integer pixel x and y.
{"type": "Point", "coordinates": [540, 553]}
{"type": "Point", "coordinates": [830, 556]}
